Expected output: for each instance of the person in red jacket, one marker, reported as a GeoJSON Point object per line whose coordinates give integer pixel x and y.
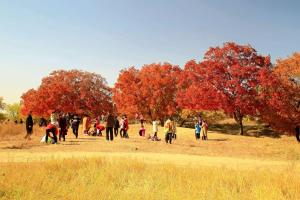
{"type": "Point", "coordinates": [51, 128]}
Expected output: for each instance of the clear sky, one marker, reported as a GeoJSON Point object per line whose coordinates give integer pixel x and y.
{"type": "Point", "coordinates": [37, 37]}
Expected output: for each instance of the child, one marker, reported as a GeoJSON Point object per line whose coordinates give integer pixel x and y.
{"type": "Point", "coordinates": [197, 130]}
{"type": "Point", "coordinates": [99, 128]}
{"type": "Point", "coordinates": [142, 131]}
{"type": "Point", "coordinates": [174, 130]}
{"type": "Point", "coordinates": [124, 127]}
{"type": "Point", "coordinates": [122, 132]}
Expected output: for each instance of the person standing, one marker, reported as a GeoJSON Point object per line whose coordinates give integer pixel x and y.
{"type": "Point", "coordinates": [168, 131]}
{"type": "Point", "coordinates": [197, 130]}
{"type": "Point", "coordinates": [109, 127]}
{"type": "Point", "coordinates": [29, 126]}
{"type": "Point", "coordinates": [63, 126]}
{"type": "Point", "coordinates": [155, 128]}
{"type": "Point", "coordinates": [75, 125]}
{"type": "Point", "coordinates": [116, 126]}
{"type": "Point", "coordinates": [204, 128]}
{"type": "Point", "coordinates": [124, 127]}
{"type": "Point", "coordinates": [86, 123]}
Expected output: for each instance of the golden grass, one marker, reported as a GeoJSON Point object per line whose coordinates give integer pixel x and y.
{"type": "Point", "coordinates": [10, 129]}
{"type": "Point", "coordinates": [131, 179]}
{"type": "Point", "coordinates": [224, 167]}
{"type": "Point", "coordinates": [218, 145]}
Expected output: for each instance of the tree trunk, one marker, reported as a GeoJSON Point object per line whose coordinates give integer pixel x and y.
{"type": "Point", "coordinates": [161, 122]}
{"type": "Point", "coordinates": [297, 130]}
{"type": "Point", "coordinates": [241, 127]}
{"type": "Point", "coordinates": [239, 119]}
{"type": "Point", "coordinates": [181, 123]}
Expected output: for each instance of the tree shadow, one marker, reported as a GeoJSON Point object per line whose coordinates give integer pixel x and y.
{"type": "Point", "coordinates": [258, 130]}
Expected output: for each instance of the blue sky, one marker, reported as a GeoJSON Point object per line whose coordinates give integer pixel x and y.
{"type": "Point", "coordinates": [37, 37]}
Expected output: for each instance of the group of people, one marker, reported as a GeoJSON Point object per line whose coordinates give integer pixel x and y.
{"type": "Point", "coordinates": [93, 127]}
{"type": "Point", "coordinates": [114, 126]}
{"type": "Point", "coordinates": [169, 130]}
{"type": "Point", "coordinates": [59, 125]}
{"type": "Point", "coordinates": [201, 128]}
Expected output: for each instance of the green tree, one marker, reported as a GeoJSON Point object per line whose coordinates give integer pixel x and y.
{"type": "Point", "coordinates": [2, 106]}
{"type": "Point", "coordinates": [13, 111]}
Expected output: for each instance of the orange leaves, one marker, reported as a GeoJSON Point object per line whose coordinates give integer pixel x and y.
{"type": "Point", "coordinates": [69, 91]}
{"type": "Point", "coordinates": [281, 95]}
{"type": "Point", "coordinates": [226, 79]}
{"type": "Point", "coordinates": [150, 91]}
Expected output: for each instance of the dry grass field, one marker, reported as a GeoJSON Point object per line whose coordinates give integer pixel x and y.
{"type": "Point", "coordinates": [224, 167]}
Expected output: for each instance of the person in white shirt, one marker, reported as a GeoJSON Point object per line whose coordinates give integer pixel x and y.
{"type": "Point", "coordinates": [155, 127]}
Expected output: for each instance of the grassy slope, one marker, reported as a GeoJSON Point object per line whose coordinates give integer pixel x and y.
{"type": "Point", "coordinates": [225, 167]}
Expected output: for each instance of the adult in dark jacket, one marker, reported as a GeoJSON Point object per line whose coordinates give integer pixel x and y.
{"type": "Point", "coordinates": [110, 122]}
{"type": "Point", "coordinates": [63, 127]}
{"type": "Point", "coordinates": [75, 125]}
{"type": "Point", "coordinates": [116, 126]}
{"type": "Point", "coordinates": [29, 126]}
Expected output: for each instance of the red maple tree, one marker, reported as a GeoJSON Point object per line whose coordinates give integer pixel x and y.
{"type": "Point", "coordinates": [150, 91]}
{"type": "Point", "coordinates": [280, 94]}
{"type": "Point", "coordinates": [227, 79]}
{"type": "Point", "coordinates": [69, 91]}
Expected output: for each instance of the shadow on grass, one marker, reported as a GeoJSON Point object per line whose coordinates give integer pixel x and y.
{"type": "Point", "coordinates": [70, 144]}
{"type": "Point", "coordinates": [80, 141]}
{"type": "Point", "coordinates": [19, 146]}
{"type": "Point", "coordinates": [93, 139]}
{"type": "Point", "coordinates": [258, 130]}
{"type": "Point", "coordinates": [219, 140]}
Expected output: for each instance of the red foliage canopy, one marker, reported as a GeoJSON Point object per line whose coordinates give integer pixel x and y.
{"type": "Point", "coordinates": [150, 91]}
{"type": "Point", "coordinates": [227, 79]}
{"type": "Point", "coordinates": [69, 91]}
{"type": "Point", "coordinates": [280, 94]}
